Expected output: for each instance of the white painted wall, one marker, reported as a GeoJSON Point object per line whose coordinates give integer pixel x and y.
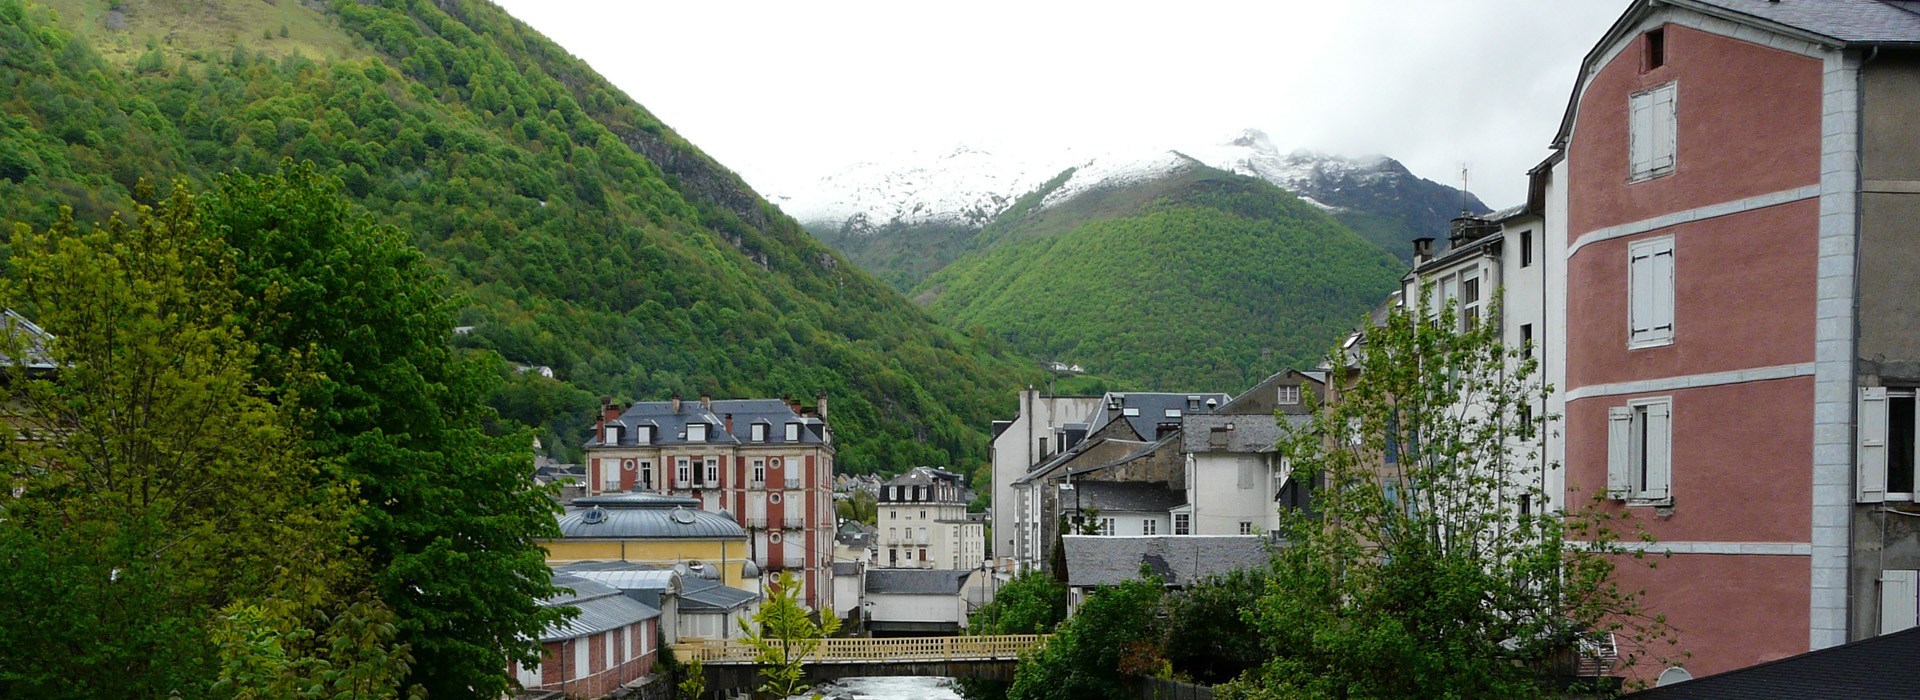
{"type": "Point", "coordinates": [1014, 452]}
{"type": "Point", "coordinates": [1225, 489]}
{"type": "Point", "coordinates": [895, 607]}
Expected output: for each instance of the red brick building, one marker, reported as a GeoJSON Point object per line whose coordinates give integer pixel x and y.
{"type": "Point", "coordinates": [767, 463]}
{"type": "Point", "coordinates": [613, 641]}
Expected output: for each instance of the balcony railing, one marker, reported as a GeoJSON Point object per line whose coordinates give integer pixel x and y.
{"type": "Point", "coordinates": [795, 522]}
{"type": "Point", "coordinates": [793, 482]}
{"type": "Point", "coordinates": [757, 521]}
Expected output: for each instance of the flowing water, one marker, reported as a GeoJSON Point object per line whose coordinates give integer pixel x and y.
{"type": "Point", "coordinates": [891, 688]}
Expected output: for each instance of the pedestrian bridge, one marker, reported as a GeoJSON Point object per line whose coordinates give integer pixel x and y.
{"type": "Point", "coordinates": [730, 662]}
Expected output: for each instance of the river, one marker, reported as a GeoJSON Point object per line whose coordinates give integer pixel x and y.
{"type": "Point", "coordinates": [891, 688]}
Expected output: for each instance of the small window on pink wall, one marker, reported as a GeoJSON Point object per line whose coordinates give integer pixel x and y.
{"type": "Point", "coordinates": [1656, 49]}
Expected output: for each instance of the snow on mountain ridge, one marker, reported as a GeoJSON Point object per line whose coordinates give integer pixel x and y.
{"type": "Point", "coordinates": [968, 187]}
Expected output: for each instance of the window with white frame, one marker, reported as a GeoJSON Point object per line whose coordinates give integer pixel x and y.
{"type": "Point", "coordinates": [1289, 394]}
{"type": "Point", "coordinates": [644, 434]}
{"type": "Point", "coordinates": [696, 432]}
{"type": "Point", "coordinates": [1886, 434]}
{"type": "Point", "coordinates": [612, 436]}
{"type": "Point", "coordinates": [682, 471]}
{"type": "Point", "coordinates": [759, 472]}
{"type": "Point", "coordinates": [1653, 134]}
{"type": "Point", "coordinates": [759, 432]}
{"type": "Point", "coordinates": [1106, 526]}
{"type": "Point", "coordinates": [1246, 527]}
{"type": "Point", "coordinates": [713, 471]}
{"type": "Point", "coordinates": [1149, 526]}
{"type": "Point", "coordinates": [793, 432]}
{"type": "Point", "coordinates": [1650, 292]}
{"type": "Point", "coordinates": [1472, 301]}
{"type": "Point", "coordinates": [1640, 452]}
{"type": "Point", "coordinates": [1899, 600]}
{"type": "Point", "coordinates": [646, 473]}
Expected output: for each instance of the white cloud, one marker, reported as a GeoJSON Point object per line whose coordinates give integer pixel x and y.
{"type": "Point", "coordinates": [787, 92]}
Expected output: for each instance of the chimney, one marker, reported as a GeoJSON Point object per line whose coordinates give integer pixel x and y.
{"type": "Point", "coordinates": [820, 405]}
{"type": "Point", "coordinates": [706, 401]}
{"type": "Point", "coordinates": [676, 403]}
{"type": "Point", "coordinates": [608, 412]}
{"type": "Point", "coordinates": [729, 423]}
{"type": "Point", "coordinates": [1422, 250]}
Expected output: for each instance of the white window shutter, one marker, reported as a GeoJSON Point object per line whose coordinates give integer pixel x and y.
{"type": "Point", "coordinates": [1660, 278]}
{"type": "Point", "coordinates": [1870, 459]}
{"type": "Point", "coordinates": [1899, 599]}
{"type": "Point", "coordinates": [1659, 452]}
{"type": "Point", "coordinates": [1662, 128]}
{"type": "Point", "coordinates": [1640, 310]}
{"type": "Point", "coordinates": [1640, 136]}
{"type": "Point", "coordinates": [1619, 444]}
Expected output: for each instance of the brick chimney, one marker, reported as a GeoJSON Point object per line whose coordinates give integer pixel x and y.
{"type": "Point", "coordinates": [820, 404]}
{"type": "Point", "coordinates": [676, 403]}
{"type": "Point", "coordinates": [1422, 250]}
{"type": "Point", "coordinates": [729, 423]}
{"type": "Point", "coordinates": [608, 412]}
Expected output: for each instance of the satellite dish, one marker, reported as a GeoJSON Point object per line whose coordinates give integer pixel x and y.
{"type": "Point", "coordinates": [1673, 674]}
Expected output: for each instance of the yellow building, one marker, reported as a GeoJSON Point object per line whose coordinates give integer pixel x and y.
{"type": "Point", "coordinates": [651, 528]}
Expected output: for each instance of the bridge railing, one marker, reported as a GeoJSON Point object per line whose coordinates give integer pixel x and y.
{"type": "Point", "coordinates": [856, 650]}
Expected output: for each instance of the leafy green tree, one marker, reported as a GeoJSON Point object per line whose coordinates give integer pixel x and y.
{"type": "Point", "coordinates": [154, 483]}
{"type": "Point", "coordinates": [1423, 575]}
{"type": "Point", "coordinates": [1205, 636]}
{"type": "Point", "coordinates": [1031, 603]}
{"type": "Point", "coordinates": [693, 680]}
{"type": "Point", "coordinates": [783, 634]}
{"type": "Point", "coordinates": [354, 331]}
{"type": "Point", "coordinates": [862, 507]}
{"type": "Point", "coordinates": [1088, 658]}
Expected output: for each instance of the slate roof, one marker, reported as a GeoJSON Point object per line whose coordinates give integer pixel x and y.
{"type": "Point", "coordinates": [670, 426]}
{"type": "Point", "coordinates": [1881, 668]}
{"type": "Point", "coordinates": [1153, 407]}
{"type": "Point", "coordinates": [643, 515]}
{"type": "Point", "coordinates": [1847, 21]}
{"type": "Point", "coordinates": [1097, 560]}
{"type": "Point", "coordinates": [846, 568]}
{"type": "Point", "coordinates": [1125, 497]}
{"type": "Point", "coordinates": [602, 608]}
{"type": "Point", "coordinates": [704, 596]}
{"type": "Point", "coordinates": [917, 581]}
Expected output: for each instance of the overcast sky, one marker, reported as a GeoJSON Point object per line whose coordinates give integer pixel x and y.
{"type": "Point", "coordinates": [787, 92]}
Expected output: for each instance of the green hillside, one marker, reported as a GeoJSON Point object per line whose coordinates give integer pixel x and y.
{"type": "Point", "coordinates": [1202, 280]}
{"type": "Point", "coordinates": [582, 233]}
{"type": "Point", "coordinates": [902, 255]}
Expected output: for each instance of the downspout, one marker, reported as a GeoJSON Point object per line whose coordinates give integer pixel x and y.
{"type": "Point", "coordinates": [1859, 221]}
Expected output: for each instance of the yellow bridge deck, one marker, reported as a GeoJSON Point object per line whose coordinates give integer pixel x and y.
{"type": "Point", "coordinates": [1005, 647]}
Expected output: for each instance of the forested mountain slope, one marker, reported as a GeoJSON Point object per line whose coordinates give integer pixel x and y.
{"type": "Point", "coordinates": [1193, 279]}
{"type": "Point", "coordinates": [584, 234]}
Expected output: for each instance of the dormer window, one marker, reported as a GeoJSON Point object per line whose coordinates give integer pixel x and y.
{"type": "Point", "coordinates": [696, 432]}
{"type": "Point", "coordinates": [759, 432]}
{"type": "Point", "coordinates": [1193, 403]}
{"type": "Point", "coordinates": [644, 434]}
{"type": "Point", "coordinates": [1289, 395]}
{"type": "Point", "coordinates": [793, 432]}
{"type": "Point", "coordinates": [612, 436]}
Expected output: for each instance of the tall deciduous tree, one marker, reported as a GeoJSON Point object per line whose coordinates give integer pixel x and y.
{"type": "Point", "coordinates": [354, 328]}
{"type": "Point", "coordinates": [1424, 575]}
{"type": "Point", "coordinates": [783, 634]}
{"type": "Point", "coordinates": [150, 484]}
{"type": "Point", "coordinates": [1091, 655]}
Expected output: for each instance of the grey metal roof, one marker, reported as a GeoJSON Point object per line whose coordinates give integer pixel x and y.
{"type": "Point", "coordinates": [917, 581]}
{"type": "Point", "coordinates": [701, 595]}
{"type": "Point", "coordinates": [602, 608]}
{"type": "Point", "coordinates": [1880, 668]}
{"type": "Point", "coordinates": [670, 426]}
{"type": "Point", "coordinates": [32, 336]}
{"type": "Point", "coordinates": [642, 515]}
{"type": "Point", "coordinates": [1181, 560]}
{"type": "Point", "coordinates": [846, 568]}
{"type": "Point", "coordinates": [1125, 497]}
{"type": "Point", "coordinates": [1848, 21]}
